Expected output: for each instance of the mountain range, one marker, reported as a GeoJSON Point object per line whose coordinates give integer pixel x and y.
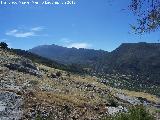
{"type": "Point", "coordinates": [138, 61]}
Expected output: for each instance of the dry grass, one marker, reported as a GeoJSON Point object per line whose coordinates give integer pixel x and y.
{"type": "Point", "coordinates": [61, 99]}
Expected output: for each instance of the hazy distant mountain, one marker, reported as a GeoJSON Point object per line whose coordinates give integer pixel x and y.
{"type": "Point", "coordinates": [141, 60]}
{"type": "Point", "coordinates": [69, 55]}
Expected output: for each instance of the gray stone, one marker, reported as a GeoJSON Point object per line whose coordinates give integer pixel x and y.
{"type": "Point", "coordinates": [10, 106]}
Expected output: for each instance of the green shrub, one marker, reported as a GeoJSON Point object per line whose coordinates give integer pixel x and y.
{"type": "Point", "coordinates": [158, 111]}
{"type": "Point", "coordinates": [135, 113]}
{"type": "Point", "coordinates": [33, 82]}
{"type": "Point", "coordinates": [58, 74]}
{"type": "Point", "coordinates": [112, 102]}
{"type": "Point", "coordinates": [38, 117]}
{"type": "Point", "coordinates": [3, 45]}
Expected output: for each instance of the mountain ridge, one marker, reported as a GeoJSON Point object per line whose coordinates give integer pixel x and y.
{"type": "Point", "coordinates": [63, 51]}
{"type": "Point", "coordinates": [139, 60]}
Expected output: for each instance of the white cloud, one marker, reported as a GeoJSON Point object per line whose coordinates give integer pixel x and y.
{"type": "Point", "coordinates": [12, 31]}
{"type": "Point", "coordinates": [21, 33]}
{"type": "Point", "coordinates": [37, 28]}
{"type": "Point", "coordinates": [79, 45]}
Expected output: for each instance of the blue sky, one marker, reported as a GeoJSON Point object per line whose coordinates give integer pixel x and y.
{"type": "Point", "coordinates": [95, 24]}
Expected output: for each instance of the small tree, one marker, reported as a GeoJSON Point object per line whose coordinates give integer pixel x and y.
{"type": "Point", "coordinates": [58, 74]}
{"type": "Point", "coordinates": [3, 45]}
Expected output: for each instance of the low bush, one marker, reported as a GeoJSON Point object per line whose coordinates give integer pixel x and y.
{"type": "Point", "coordinates": [58, 74]}
{"type": "Point", "coordinates": [134, 113]}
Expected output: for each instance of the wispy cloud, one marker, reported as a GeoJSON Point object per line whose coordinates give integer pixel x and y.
{"type": "Point", "coordinates": [79, 45]}
{"type": "Point", "coordinates": [37, 28]}
{"type": "Point", "coordinates": [21, 33]}
{"type": "Point", "coordinates": [69, 43]}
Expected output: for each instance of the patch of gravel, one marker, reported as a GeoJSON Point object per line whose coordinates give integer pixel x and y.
{"type": "Point", "coordinates": [114, 110]}
{"type": "Point", "coordinates": [10, 106]}
{"type": "Point", "coordinates": [131, 100]}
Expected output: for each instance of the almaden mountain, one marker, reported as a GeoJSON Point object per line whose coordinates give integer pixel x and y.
{"type": "Point", "coordinates": [133, 66]}
{"type": "Point", "coordinates": [36, 88]}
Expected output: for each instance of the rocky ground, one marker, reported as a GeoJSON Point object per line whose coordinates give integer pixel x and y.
{"type": "Point", "coordinates": [31, 91]}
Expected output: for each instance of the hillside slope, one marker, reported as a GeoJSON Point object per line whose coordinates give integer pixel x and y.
{"type": "Point", "coordinates": [141, 59]}
{"type": "Point", "coordinates": [31, 90]}
{"type": "Point", "coordinates": [136, 65]}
